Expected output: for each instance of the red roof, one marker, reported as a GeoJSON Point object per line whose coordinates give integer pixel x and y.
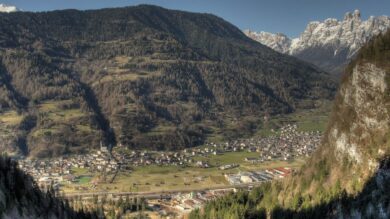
{"type": "Point", "coordinates": [284, 170]}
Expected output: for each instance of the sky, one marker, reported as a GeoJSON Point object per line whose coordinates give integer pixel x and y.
{"type": "Point", "coordinates": [277, 16]}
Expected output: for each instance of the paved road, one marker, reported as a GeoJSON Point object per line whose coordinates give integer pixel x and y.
{"type": "Point", "coordinates": [156, 195]}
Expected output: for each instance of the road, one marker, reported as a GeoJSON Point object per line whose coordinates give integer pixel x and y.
{"type": "Point", "coordinates": [156, 195]}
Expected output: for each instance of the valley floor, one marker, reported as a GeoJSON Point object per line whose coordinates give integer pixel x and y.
{"type": "Point", "coordinates": [183, 180]}
{"type": "Point", "coordinates": [172, 178]}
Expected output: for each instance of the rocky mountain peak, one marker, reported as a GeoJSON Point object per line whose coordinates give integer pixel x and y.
{"type": "Point", "coordinates": [331, 43]}
{"type": "Point", "coordinates": [356, 14]}
{"type": "Point", "coordinates": [8, 8]}
{"type": "Point", "coordinates": [352, 15]}
{"type": "Point", "coordinates": [278, 41]}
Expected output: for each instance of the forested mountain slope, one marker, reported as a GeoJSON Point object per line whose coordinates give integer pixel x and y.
{"type": "Point", "coordinates": [20, 197]}
{"type": "Point", "coordinates": [349, 175]}
{"type": "Point", "coordinates": [144, 77]}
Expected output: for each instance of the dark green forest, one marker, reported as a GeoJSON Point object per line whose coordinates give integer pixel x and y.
{"type": "Point", "coordinates": [21, 197]}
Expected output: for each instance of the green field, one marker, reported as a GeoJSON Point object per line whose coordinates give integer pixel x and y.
{"type": "Point", "coordinates": [227, 158]}
{"type": "Point", "coordinates": [10, 118]}
{"type": "Point", "coordinates": [155, 178]}
{"type": "Point", "coordinates": [55, 111]}
{"type": "Point", "coordinates": [62, 115]}
{"type": "Point", "coordinates": [306, 120]}
{"type": "Point", "coordinates": [79, 171]}
{"type": "Point", "coordinates": [84, 179]}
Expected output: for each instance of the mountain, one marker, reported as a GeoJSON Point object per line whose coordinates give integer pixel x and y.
{"type": "Point", "coordinates": [142, 77]}
{"type": "Point", "coordinates": [8, 8]}
{"type": "Point", "coordinates": [278, 41]}
{"type": "Point", "coordinates": [349, 175]}
{"type": "Point", "coordinates": [20, 197]}
{"type": "Point", "coordinates": [330, 44]}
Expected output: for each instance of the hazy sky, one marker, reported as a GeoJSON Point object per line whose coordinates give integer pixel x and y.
{"type": "Point", "coordinates": [286, 16]}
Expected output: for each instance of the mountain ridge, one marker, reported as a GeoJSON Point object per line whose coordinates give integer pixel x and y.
{"type": "Point", "coordinates": [143, 77]}
{"type": "Point", "coordinates": [329, 44]}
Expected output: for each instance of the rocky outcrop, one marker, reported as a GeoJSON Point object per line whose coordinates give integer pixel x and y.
{"type": "Point", "coordinates": [364, 97]}
{"type": "Point", "coordinates": [348, 177]}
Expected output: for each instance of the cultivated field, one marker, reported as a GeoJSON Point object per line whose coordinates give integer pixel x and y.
{"type": "Point", "coordinates": [155, 178]}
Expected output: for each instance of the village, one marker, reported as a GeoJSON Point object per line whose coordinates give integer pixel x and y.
{"type": "Point", "coordinates": [182, 203]}
{"type": "Point", "coordinates": [186, 202]}
{"type": "Point", "coordinates": [287, 143]}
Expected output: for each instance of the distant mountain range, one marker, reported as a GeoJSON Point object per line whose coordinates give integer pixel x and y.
{"type": "Point", "coordinates": [329, 44]}
{"type": "Point", "coordinates": [143, 77]}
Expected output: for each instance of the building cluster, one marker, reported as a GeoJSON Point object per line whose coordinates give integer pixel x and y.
{"type": "Point", "coordinates": [143, 158]}
{"type": "Point", "coordinates": [228, 166]}
{"type": "Point", "coordinates": [47, 173]}
{"type": "Point", "coordinates": [186, 202]}
{"type": "Point", "coordinates": [257, 176]}
{"type": "Point", "coordinates": [53, 172]}
{"type": "Point", "coordinates": [285, 144]}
